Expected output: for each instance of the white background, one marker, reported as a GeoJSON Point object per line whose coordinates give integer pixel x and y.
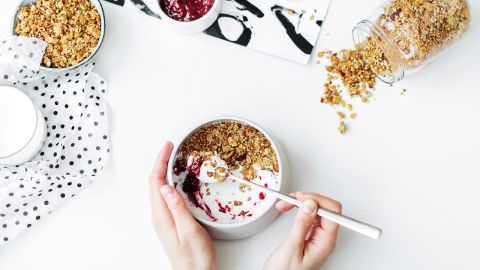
{"type": "Point", "coordinates": [409, 164]}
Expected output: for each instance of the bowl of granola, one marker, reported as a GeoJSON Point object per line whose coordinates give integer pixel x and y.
{"type": "Point", "coordinates": [73, 29]}
{"type": "Point", "coordinates": [228, 209]}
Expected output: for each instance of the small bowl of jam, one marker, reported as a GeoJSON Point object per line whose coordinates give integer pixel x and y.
{"type": "Point", "coordinates": [190, 16]}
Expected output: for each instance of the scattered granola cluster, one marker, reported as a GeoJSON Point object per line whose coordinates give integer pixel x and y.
{"type": "Point", "coordinates": [70, 27]}
{"type": "Point", "coordinates": [356, 69]}
{"type": "Point", "coordinates": [236, 144]}
{"type": "Point", "coordinates": [423, 28]}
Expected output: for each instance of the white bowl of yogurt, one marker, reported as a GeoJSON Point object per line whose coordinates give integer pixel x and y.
{"type": "Point", "coordinates": [22, 127]}
{"type": "Point", "coordinates": [229, 210]}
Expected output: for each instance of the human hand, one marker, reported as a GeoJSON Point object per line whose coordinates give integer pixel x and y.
{"type": "Point", "coordinates": [186, 243]}
{"type": "Point", "coordinates": [312, 238]}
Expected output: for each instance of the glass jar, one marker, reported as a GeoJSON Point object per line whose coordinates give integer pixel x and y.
{"type": "Point", "coordinates": [22, 127]}
{"type": "Point", "coordinates": [411, 33]}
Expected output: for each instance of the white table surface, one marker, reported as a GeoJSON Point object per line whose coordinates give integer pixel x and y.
{"type": "Point", "coordinates": [409, 164]}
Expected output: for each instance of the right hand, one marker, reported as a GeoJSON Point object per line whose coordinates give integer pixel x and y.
{"type": "Point", "coordinates": [311, 240]}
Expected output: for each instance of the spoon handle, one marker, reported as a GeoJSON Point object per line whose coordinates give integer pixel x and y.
{"type": "Point", "coordinates": [347, 222]}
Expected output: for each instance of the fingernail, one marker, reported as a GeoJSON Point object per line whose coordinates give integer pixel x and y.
{"type": "Point", "coordinates": [309, 206]}
{"type": "Point", "coordinates": [166, 191]}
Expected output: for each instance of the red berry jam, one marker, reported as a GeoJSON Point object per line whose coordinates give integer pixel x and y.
{"type": "Point", "coordinates": [179, 166]}
{"type": "Point", "coordinates": [192, 185]}
{"type": "Point", "coordinates": [186, 10]}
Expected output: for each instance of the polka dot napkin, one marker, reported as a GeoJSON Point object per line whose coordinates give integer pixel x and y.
{"type": "Point", "coordinates": [77, 145]}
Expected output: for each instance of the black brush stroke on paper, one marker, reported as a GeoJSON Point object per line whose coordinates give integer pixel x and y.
{"type": "Point", "coordinates": [319, 23]}
{"type": "Point", "coordinates": [246, 5]}
{"type": "Point", "coordinates": [243, 39]}
{"type": "Point", "coordinates": [300, 41]}
{"type": "Point", "coordinates": [144, 8]}
{"type": "Point", "coordinates": [117, 2]}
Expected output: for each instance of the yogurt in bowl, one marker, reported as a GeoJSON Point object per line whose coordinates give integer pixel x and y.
{"type": "Point", "coordinates": [228, 209]}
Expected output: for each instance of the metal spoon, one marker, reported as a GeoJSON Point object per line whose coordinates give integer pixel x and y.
{"type": "Point", "coordinates": [347, 222]}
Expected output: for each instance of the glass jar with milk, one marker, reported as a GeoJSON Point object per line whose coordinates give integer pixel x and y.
{"type": "Point", "coordinates": [22, 127]}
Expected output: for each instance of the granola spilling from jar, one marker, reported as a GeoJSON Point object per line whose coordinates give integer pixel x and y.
{"type": "Point", "coordinates": [403, 36]}
{"type": "Point", "coordinates": [71, 29]}
{"type": "Point", "coordinates": [423, 28]}
{"type": "Point", "coordinates": [354, 70]}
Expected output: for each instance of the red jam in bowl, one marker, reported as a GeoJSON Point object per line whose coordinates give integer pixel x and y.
{"type": "Point", "coordinates": [186, 10]}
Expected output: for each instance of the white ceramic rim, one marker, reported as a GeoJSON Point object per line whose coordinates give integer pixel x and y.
{"type": "Point", "coordinates": [205, 17]}
{"type": "Point", "coordinates": [101, 13]}
{"type": "Point", "coordinates": [36, 122]}
{"type": "Point", "coordinates": [244, 121]}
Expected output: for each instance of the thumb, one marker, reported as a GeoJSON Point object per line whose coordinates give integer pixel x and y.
{"type": "Point", "coordinates": [303, 223]}
{"type": "Point", "coordinates": [184, 220]}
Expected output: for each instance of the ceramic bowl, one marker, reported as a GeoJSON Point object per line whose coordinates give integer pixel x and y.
{"type": "Point", "coordinates": [257, 222]}
{"type": "Point", "coordinates": [101, 13]}
{"type": "Point", "coordinates": [195, 26]}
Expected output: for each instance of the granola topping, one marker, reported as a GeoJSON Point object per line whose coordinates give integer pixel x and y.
{"type": "Point", "coordinates": [213, 168]}
{"type": "Point", "coordinates": [236, 144]}
{"type": "Point", "coordinates": [71, 29]}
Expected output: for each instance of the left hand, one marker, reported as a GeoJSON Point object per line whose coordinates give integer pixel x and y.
{"type": "Point", "coordinates": [186, 242]}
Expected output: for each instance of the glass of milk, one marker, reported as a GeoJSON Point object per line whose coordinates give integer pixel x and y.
{"type": "Point", "coordinates": [22, 127]}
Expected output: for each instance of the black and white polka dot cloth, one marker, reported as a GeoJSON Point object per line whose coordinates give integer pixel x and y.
{"type": "Point", "coordinates": [77, 147]}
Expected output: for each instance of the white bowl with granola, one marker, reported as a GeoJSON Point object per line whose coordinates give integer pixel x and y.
{"type": "Point", "coordinates": [73, 29]}
{"type": "Point", "coordinates": [228, 209]}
